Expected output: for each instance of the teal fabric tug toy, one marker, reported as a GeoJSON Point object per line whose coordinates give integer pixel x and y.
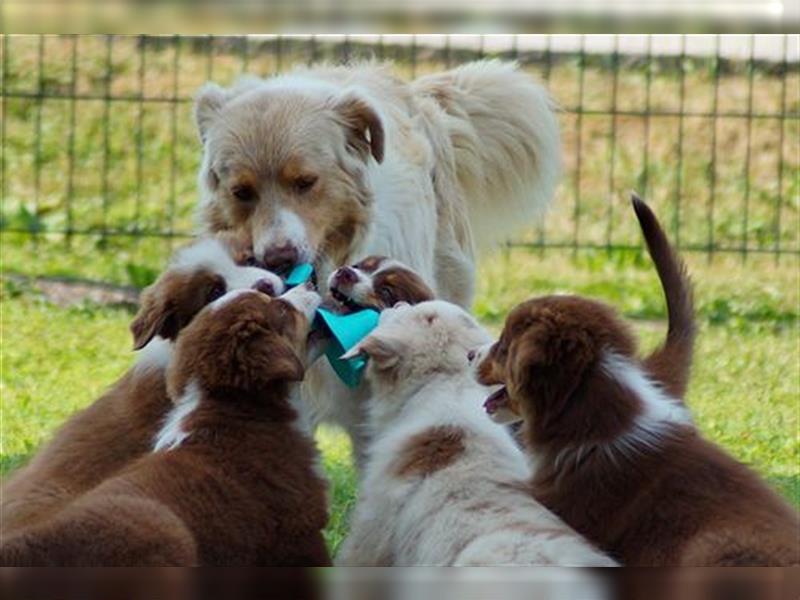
{"type": "Point", "coordinates": [345, 331]}
{"type": "Point", "coordinates": [300, 274]}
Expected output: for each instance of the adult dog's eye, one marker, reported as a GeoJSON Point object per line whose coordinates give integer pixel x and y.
{"type": "Point", "coordinates": [217, 291]}
{"type": "Point", "coordinates": [304, 184]}
{"type": "Point", "coordinates": [245, 193]}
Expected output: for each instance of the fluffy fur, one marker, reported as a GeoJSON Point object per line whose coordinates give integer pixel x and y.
{"type": "Point", "coordinates": [332, 164]}
{"type": "Point", "coordinates": [119, 426]}
{"type": "Point", "coordinates": [443, 485]}
{"type": "Point", "coordinates": [616, 453]}
{"type": "Point", "coordinates": [239, 487]}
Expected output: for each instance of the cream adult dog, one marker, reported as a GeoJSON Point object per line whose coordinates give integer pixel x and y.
{"type": "Point", "coordinates": [333, 164]}
{"type": "Point", "coordinates": [443, 484]}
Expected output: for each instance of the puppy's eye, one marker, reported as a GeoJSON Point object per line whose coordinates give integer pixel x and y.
{"type": "Point", "coordinates": [252, 261]}
{"type": "Point", "coordinates": [386, 295]}
{"type": "Point", "coordinates": [304, 184]}
{"type": "Point", "coordinates": [245, 193]}
{"type": "Point", "coordinates": [217, 291]}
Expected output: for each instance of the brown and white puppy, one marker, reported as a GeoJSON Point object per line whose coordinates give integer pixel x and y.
{"type": "Point", "coordinates": [232, 479]}
{"type": "Point", "coordinates": [615, 451]}
{"type": "Point", "coordinates": [119, 426]}
{"type": "Point", "coordinates": [377, 282]}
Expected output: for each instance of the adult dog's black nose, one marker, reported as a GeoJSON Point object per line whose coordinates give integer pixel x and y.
{"type": "Point", "coordinates": [345, 275]}
{"type": "Point", "coordinates": [281, 259]}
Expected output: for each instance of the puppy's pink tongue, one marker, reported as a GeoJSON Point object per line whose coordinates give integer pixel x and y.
{"type": "Point", "coordinates": [496, 401]}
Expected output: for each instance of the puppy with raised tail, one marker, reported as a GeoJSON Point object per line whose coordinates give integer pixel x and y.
{"type": "Point", "coordinates": [616, 453]}
{"type": "Point", "coordinates": [232, 479]}
{"type": "Point", "coordinates": [120, 425]}
{"type": "Point", "coordinates": [443, 485]}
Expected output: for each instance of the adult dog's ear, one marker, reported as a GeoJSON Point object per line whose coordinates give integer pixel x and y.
{"type": "Point", "coordinates": [207, 105]}
{"type": "Point", "coordinates": [156, 316]}
{"type": "Point", "coordinates": [363, 124]}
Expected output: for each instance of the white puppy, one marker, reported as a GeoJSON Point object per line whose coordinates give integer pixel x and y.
{"type": "Point", "coordinates": [443, 485]}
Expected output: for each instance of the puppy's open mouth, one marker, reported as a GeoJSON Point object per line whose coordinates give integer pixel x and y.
{"type": "Point", "coordinates": [496, 401]}
{"type": "Point", "coordinates": [345, 303]}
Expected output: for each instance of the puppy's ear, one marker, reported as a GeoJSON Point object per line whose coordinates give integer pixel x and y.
{"type": "Point", "coordinates": [156, 316]}
{"type": "Point", "coordinates": [207, 105]}
{"type": "Point", "coordinates": [548, 365]}
{"type": "Point", "coordinates": [284, 364]}
{"type": "Point", "coordinates": [364, 125]}
{"type": "Point", "coordinates": [383, 350]}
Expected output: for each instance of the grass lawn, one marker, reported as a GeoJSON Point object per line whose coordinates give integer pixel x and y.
{"type": "Point", "coordinates": [744, 392]}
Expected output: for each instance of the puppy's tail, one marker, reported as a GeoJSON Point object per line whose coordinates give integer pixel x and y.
{"type": "Point", "coordinates": [506, 144]}
{"type": "Point", "coordinates": [671, 363]}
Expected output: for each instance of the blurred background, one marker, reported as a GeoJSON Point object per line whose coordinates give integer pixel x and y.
{"type": "Point", "coordinates": [100, 154]}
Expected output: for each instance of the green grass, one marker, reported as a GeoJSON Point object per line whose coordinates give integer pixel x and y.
{"type": "Point", "coordinates": [744, 392]}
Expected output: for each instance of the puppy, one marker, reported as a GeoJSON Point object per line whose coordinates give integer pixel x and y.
{"type": "Point", "coordinates": [377, 282]}
{"type": "Point", "coordinates": [232, 478]}
{"type": "Point", "coordinates": [119, 426]}
{"type": "Point", "coordinates": [443, 485]}
{"type": "Point", "coordinates": [617, 455]}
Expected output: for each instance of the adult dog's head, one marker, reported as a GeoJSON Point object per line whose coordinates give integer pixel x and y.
{"type": "Point", "coordinates": [548, 349]}
{"type": "Point", "coordinates": [286, 159]}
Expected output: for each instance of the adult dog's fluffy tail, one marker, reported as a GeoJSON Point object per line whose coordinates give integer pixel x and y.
{"type": "Point", "coordinates": [671, 363]}
{"type": "Point", "coordinates": [506, 144]}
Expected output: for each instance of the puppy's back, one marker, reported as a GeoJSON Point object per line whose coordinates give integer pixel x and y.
{"type": "Point", "coordinates": [718, 513]}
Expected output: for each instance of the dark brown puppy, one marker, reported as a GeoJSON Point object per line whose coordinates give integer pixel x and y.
{"type": "Point", "coordinates": [232, 480]}
{"type": "Point", "coordinates": [121, 425]}
{"type": "Point", "coordinates": [377, 282]}
{"type": "Point", "coordinates": [617, 456]}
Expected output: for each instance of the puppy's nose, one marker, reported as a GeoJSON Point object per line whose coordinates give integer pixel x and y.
{"type": "Point", "coordinates": [265, 286]}
{"type": "Point", "coordinates": [346, 275]}
{"type": "Point", "coordinates": [281, 259]}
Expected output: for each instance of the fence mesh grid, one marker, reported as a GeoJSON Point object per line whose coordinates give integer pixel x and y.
{"type": "Point", "coordinates": [98, 140]}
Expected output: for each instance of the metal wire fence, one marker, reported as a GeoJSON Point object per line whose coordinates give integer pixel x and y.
{"type": "Point", "coordinates": [98, 142]}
